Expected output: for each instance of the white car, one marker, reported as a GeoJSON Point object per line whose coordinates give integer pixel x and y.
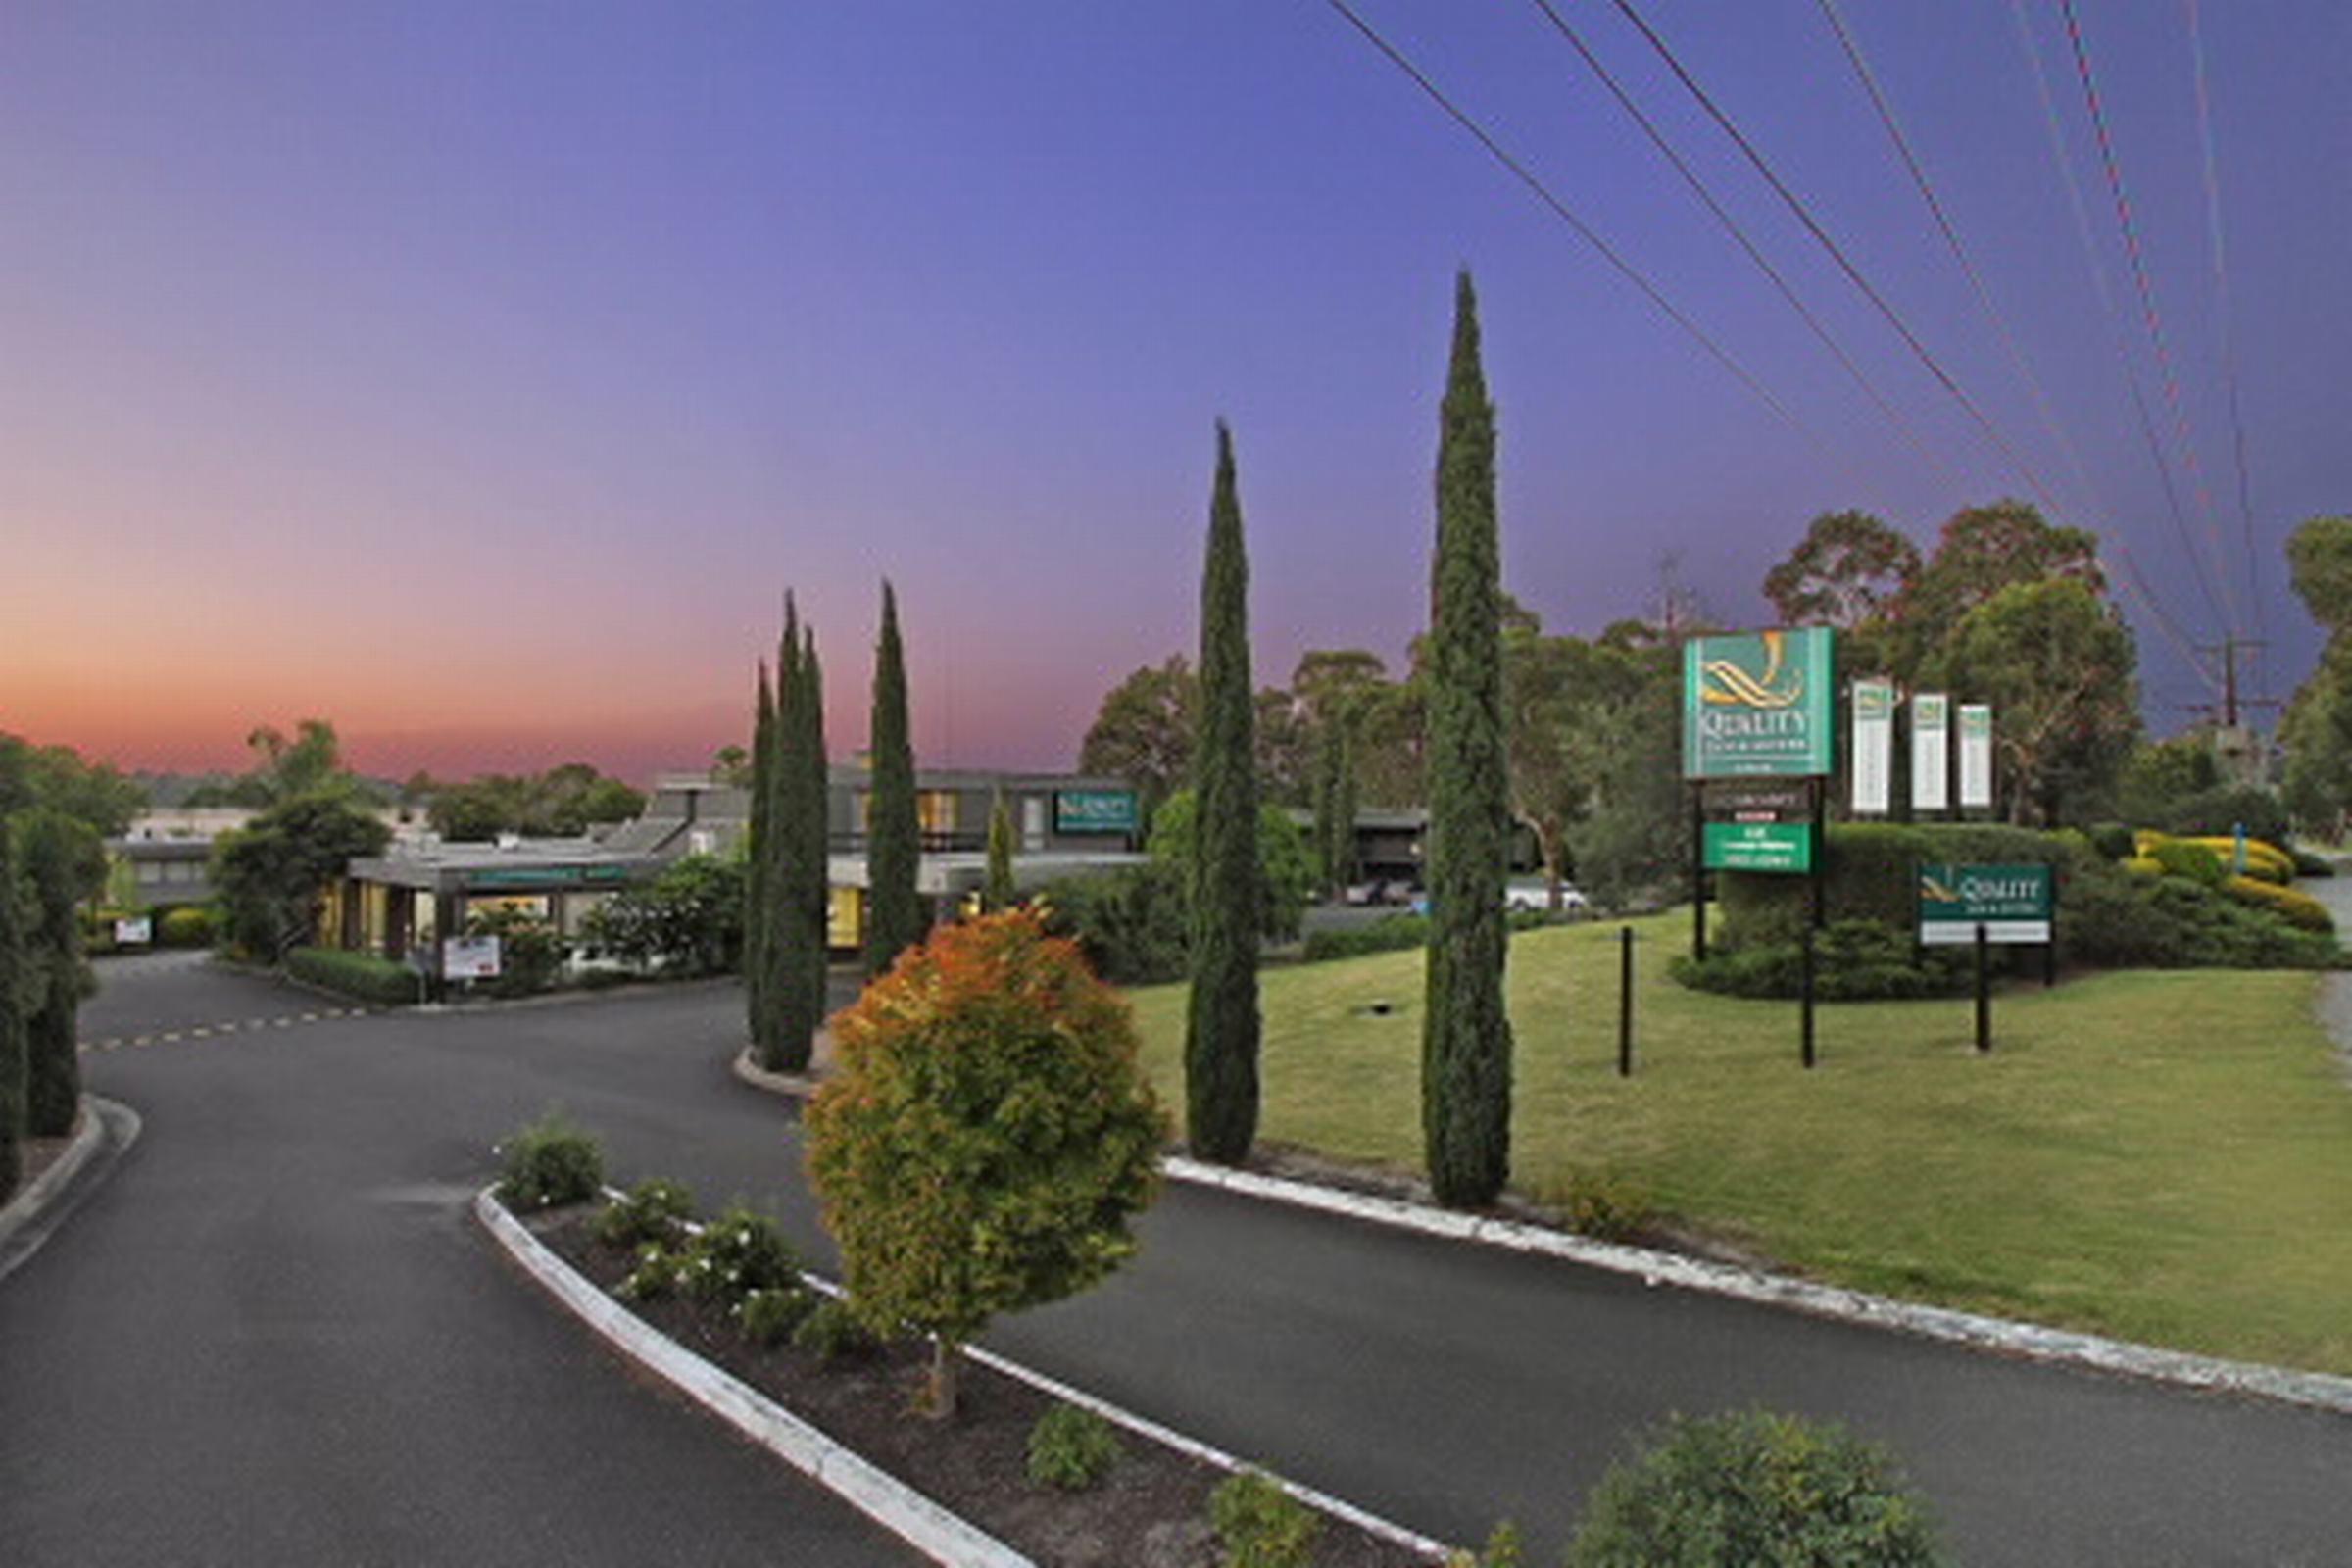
{"type": "Point", "coordinates": [1518, 896]}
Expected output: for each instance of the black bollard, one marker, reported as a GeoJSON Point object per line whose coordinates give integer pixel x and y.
{"type": "Point", "coordinates": [1983, 994]}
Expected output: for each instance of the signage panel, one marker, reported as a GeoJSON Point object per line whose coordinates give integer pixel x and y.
{"type": "Point", "coordinates": [2012, 903]}
{"type": "Point", "coordinates": [1759, 846]}
{"type": "Point", "coordinates": [1930, 751]}
{"type": "Point", "coordinates": [1759, 704]}
{"type": "Point", "coordinates": [1976, 757]}
{"type": "Point", "coordinates": [470, 958]}
{"type": "Point", "coordinates": [544, 876]}
{"type": "Point", "coordinates": [134, 931]}
{"type": "Point", "coordinates": [1095, 812]}
{"type": "Point", "coordinates": [1873, 747]}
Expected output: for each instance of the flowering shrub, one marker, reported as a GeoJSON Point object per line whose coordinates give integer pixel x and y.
{"type": "Point", "coordinates": [549, 1163]}
{"type": "Point", "coordinates": [770, 1315]}
{"type": "Point", "coordinates": [735, 1255]}
{"type": "Point", "coordinates": [649, 1212]}
{"type": "Point", "coordinates": [655, 1276]}
{"type": "Point", "coordinates": [986, 1135]}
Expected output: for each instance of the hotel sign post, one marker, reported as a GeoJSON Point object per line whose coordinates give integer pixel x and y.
{"type": "Point", "coordinates": [1982, 904]}
{"type": "Point", "coordinates": [1759, 745]}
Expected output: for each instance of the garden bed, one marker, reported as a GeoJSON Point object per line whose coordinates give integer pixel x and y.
{"type": "Point", "coordinates": [1152, 1510]}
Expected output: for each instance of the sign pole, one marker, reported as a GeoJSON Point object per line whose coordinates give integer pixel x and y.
{"type": "Point", "coordinates": [1817, 885]}
{"type": "Point", "coordinates": [1625, 1003]}
{"type": "Point", "coordinates": [1699, 873]}
{"type": "Point", "coordinates": [1983, 994]}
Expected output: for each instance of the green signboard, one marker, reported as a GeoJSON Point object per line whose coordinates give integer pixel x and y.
{"type": "Point", "coordinates": [1095, 812]}
{"type": "Point", "coordinates": [1759, 846]}
{"type": "Point", "coordinates": [2011, 902]}
{"type": "Point", "coordinates": [1759, 704]}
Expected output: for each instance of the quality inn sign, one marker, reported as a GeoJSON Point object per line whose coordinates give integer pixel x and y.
{"type": "Point", "coordinates": [1759, 704]}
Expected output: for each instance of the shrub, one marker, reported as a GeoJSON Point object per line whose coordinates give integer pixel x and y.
{"type": "Point", "coordinates": [550, 1161]}
{"type": "Point", "coordinates": [2223, 812]}
{"type": "Point", "coordinates": [773, 1313]}
{"type": "Point", "coordinates": [1504, 1550]}
{"type": "Point", "coordinates": [2310, 864]}
{"type": "Point", "coordinates": [361, 975]}
{"type": "Point", "coordinates": [2184, 859]}
{"type": "Point", "coordinates": [530, 954]}
{"type": "Point", "coordinates": [2120, 920]}
{"type": "Point", "coordinates": [831, 1332]}
{"type": "Point", "coordinates": [736, 1253]}
{"type": "Point", "coordinates": [1071, 1449]}
{"type": "Point", "coordinates": [2265, 862]}
{"type": "Point", "coordinates": [1870, 870]}
{"type": "Point", "coordinates": [1261, 1525]}
{"type": "Point", "coordinates": [2112, 841]}
{"type": "Point", "coordinates": [1755, 1488]}
{"type": "Point", "coordinates": [1853, 961]}
{"type": "Point", "coordinates": [1131, 922]}
{"type": "Point", "coordinates": [985, 1136]}
{"type": "Point", "coordinates": [649, 1212]}
{"type": "Point", "coordinates": [190, 925]}
{"type": "Point", "coordinates": [1387, 934]}
{"type": "Point", "coordinates": [655, 1274]}
{"type": "Point", "coordinates": [1605, 1207]}
{"type": "Point", "coordinates": [2299, 909]}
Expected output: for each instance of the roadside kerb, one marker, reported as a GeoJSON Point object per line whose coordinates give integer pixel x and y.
{"type": "Point", "coordinates": [48, 1189]}
{"type": "Point", "coordinates": [941, 1536]}
{"type": "Point", "coordinates": [2319, 1391]}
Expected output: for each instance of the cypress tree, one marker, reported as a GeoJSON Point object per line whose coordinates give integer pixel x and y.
{"type": "Point", "coordinates": [62, 858]}
{"type": "Point", "coordinates": [1345, 800]}
{"type": "Point", "coordinates": [1221, 1028]}
{"type": "Point", "coordinates": [756, 911]}
{"type": "Point", "coordinates": [999, 892]}
{"type": "Point", "coordinates": [12, 968]}
{"type": "Point", "coordinates": [1466, 1033]}
{"type": "Point", "coordinates": [894, 841]}
{"type": "Point", "coordinates": [805, 883]}
{"type": "Point", "coordinates": [777, 851]}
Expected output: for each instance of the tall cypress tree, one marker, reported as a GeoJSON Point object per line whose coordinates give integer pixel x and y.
{"type": "Point", "coordinates": [757, 913]}
{"type": "Point", "coordinates": [1466, 1033]}
{"type": "Point", "coordinates": [14, 965]}
{"type": "Point", "coordinates": [778, 850]}
{"type": "Point", "coordinates": [805, 889]}
{"type": "Point", "coordinates": [1222, 1029]}
{"type": "Point", "coordinates": [893, 841]}
{"type": "Point", "coordinates": [999, 891]}
{"type": "Point", "coordinates": [62, 858]}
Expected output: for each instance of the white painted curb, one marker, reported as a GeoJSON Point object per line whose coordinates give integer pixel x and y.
{"type": "Point", "coordinates": [922, 1524]}
{"type": "Point", "coordinates": [2317, 1390]}
{"type": "Point", "coordinates": [25, 1209]}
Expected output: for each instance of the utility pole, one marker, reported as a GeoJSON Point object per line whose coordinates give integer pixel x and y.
{"type": "Point", "coordinates": [2239, 749]}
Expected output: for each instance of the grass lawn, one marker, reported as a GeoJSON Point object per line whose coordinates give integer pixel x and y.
{"type": "Point", "coordinates": [2159, 1157]}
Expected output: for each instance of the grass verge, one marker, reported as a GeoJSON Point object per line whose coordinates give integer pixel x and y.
{"type": "Point", "coordinates": [2159, 1157]}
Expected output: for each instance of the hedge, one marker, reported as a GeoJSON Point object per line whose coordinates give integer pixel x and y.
{"type": "Point", "coordinates": [2295, 908]}
{"type": "Point", "coordinates": [354, 974]}
{"type": "Point", "coordinates": [1870, 871]}
{"type": "Point", "coordinates": [190, 925]}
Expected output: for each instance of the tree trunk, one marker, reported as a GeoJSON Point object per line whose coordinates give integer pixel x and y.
{"type": "Point", "coordinates": [947, 1360]}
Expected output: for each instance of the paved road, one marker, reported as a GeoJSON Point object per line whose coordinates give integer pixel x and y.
{"type": "Point", "coordinates": [272, 1335]}
{"type": "Point", "coordinates": [1445, 1385]}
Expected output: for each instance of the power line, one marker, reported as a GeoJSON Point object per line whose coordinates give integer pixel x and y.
{"type": "Point", "coordinates": [1739, 238]}
{"type": "Point", "coordinates": [2108, 307]}
{"type": "Point", "coordinates": [1879, 102]}
{"type": "Point", "coordinates": [1582, 230]}
{"type": "Point", "coordinates": [2222, 291]}
{"type": "Point", "coordinates": [1836, 253]}
{"type": "Point", "coordinates": [2150, 316]}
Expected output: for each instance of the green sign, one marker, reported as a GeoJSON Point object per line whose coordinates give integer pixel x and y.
{"type": "Point", "coordinates": [544, 876]}
{"type": "Point", "coordinates": [1095, 812]}
{"type": "Point", "coordinates": [2011, 902]}
{"type": "Point", "coordinates": [1759, 846]}
{"type": "Point", "coordinates": [1759, 704]}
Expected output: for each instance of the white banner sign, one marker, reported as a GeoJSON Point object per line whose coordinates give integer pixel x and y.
{"type": "Point", "coordinates": [1930, 751]}
{"type": "Point", "coordinates": [1873, 747]}
{"type": "Point", "coordinates": [134, 931]}
{"type": "Point", "coordinates": [1976, 757]}
{"type": "Point", "coordinates": [470, 958]}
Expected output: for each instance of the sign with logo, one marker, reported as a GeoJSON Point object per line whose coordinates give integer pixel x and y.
{"type": "Point", "coordinates": [2011, 902]}
{"type": "Point", "coordinates": [545, 877]}
{"type": "Point", "coordinates": [134, 931]}
{"type": "Point", "coordinates": [1930, 751]}
{"type": "Point", "coordinates": [470, 958]}
{"type": "Point", "coordinates": [1759, 704]}
{"type": "Point", "coordinates": [1976, 757]}
{"type": "Point", "coordinates": [1095, 812]}
{"type": "Point", "coordinates": [1758, 845]}
{"type": "Point", "coordinates": [1873, 747]}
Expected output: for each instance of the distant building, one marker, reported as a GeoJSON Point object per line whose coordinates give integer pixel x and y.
{"type": "Point", "coordinates": [1064, 825]}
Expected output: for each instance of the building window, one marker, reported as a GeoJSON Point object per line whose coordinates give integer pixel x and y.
{"type": "Point", "coordinates": [937, 811]}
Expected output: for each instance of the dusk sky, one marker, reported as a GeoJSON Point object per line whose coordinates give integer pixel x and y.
{"type": "Point", "coordinates": [480, 375]}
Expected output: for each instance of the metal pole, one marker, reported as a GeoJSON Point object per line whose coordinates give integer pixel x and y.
{"type": "Point", "coordinates": [1983, 994]}
{"type": "Point", "coordinates": [1625, 1003]}
{"type": "Point", "coordinates": [1806, 992]}
{"type": "Point", "coordinates": [1819, 889]}
{"type": "Point", "coordinates": [1699, 873]}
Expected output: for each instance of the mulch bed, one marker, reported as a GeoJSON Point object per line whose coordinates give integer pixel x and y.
{"type": "Point", "coordinates": [1151, 1511]}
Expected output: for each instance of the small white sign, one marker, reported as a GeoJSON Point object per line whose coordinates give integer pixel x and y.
{"type": "Point", "coordinates": [1976, 757]}
{"type": "Point", "coordinates": [137, 931]}
{"type": "Point", "coordinates": [470, 958]}
{"type": "Point", "coordinates": [1930, 751]}
{"type": "Point", "coordinates": [1873, 747]}
{"type": "Point", "coordinates": [1956, 933]}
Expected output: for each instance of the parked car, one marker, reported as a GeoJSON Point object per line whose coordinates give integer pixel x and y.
{"type": "Point", "coordinates": [1537, 896]}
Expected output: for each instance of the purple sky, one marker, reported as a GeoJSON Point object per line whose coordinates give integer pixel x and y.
{"type": "Point", "coordinates": [479, 376]}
